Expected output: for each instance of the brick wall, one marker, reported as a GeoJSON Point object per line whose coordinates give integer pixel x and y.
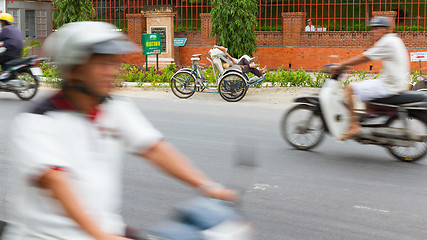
{"type": "Point", "coordinates": [193, 37]}
{"type": "Point", "coordinates": [293, 47]}
{"type": "Point", "coordinates": [308, 58]}
{"type": "Point", "coordinates": [336, 39]}
{"type": "Point", "coordinates": [136, 27]}
{"type": "Point", "coordinates": [414, 39]}
{"type": "Point", "coordinates": [318, 39]}
{"type": "Point", "coordinates": [267, 38]}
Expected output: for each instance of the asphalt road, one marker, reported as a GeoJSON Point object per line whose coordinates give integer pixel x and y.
{"type": "Point", "coordinates": [337, 191]}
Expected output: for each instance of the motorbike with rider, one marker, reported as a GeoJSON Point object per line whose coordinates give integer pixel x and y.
{"type": "Point", "coordinates": [394, 117]}
{"type": "Point", "coordinates": [19, 75]}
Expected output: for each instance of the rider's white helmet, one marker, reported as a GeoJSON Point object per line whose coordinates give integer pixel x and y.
{"type": "Point", "coordinates": [74, 43]}
{"type": "Point", "coordinates": [380, 21]}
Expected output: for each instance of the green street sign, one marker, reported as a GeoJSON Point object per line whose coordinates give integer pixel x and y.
{"type": "Point", "coordinates": [151, 44]}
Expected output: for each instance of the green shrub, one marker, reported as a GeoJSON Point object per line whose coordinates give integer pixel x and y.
{"type": "Point", "coordinates": [210, 75]}
{"type": "Point", "coordinates": [129, 73]}
{"type": "Point", "coordinates": [29, 45]}
{"type": "Point", "coordinates": [291, 78]}
{"type": "Point", "coordinates": [320, 78]}
{"type": "Point", "coordinates": [52, 75]}
{"type": "Point", "coordinates": [416, 76]}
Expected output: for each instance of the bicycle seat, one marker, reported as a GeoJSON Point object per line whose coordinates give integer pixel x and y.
{"type": "Point", "coordinates": [403, 98]}
{"type": "Point", "coordinates": [195, 59]}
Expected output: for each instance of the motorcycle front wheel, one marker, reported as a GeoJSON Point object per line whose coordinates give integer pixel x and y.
{"type": "Point", "coordinates": [33, 85]}
{"type": "Point", "coordinates": [417, 149]}
{"type": "Point", "coordinates": [302, 128]}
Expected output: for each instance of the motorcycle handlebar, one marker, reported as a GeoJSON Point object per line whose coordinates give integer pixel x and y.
{"type": "Point", "coordinates": [336, 72]}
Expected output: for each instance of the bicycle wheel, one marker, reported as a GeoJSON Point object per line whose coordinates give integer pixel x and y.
{"type": "Point", "coordinates": [232, 87]}
{"type": "Point", "coordinates": [31, 84]}
{"type": "Point", "coordinates": [417, 149]}
{"type": "Point", "coordinates": [302, 128]}
{"type": "Point", "coordinates": [183, 84]}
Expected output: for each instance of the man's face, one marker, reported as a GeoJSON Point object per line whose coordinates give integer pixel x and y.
{"type": "Point", "coordinates": [309, 22]}
{"type": "Point", "coordinates": [99, 73]}
{"type": "Point", "coordinates": [379, 32]}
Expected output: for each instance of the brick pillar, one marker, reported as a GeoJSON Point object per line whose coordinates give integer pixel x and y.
{"type": "Point", "coordinates": [293, 25]}
{"type": "Point", "coordinates": [207, 29]}
{"type": "Point", "coordinates": [159, 19]}
{"type": "Point", "coordinates": [390, 14]}
{"type": "Point", "coordinates": [136, 27]}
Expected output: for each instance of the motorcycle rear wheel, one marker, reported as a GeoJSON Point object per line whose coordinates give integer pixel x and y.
{"type": "Point", "coordinates": [418, 149]}
{"type": "Point", "coordinates": [302, 128]}
{"type": "Point", "coordinates": [33, 82]}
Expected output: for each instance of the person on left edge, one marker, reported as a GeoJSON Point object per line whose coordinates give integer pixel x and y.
{"type": "Point", "coordinates": [11, 38]}
{"type": "Point", "coordinates": [68, 151]}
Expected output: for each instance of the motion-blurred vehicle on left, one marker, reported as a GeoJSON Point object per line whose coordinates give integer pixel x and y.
{"type": "Point", "coordinates": [22, 77]}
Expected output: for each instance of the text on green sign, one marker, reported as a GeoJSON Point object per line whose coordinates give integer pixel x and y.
{"type": "Point", "coordinates": [152, 44]}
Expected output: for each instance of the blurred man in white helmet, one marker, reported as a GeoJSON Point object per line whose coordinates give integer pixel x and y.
{"type": "Point", "coordinates": [394, 77]}
{"type": "Point", "coordinates": [11, 39]}
{"type": "Point", "coordinates": [68, 150]}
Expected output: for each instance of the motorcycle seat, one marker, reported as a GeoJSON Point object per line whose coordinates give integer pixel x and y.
{"type": "Point", "coordinates": [18, 61]}
{"type": "Point", "coordinates": [403, 98]}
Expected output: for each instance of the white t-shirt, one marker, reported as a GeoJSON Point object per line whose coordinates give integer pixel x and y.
{"type": "Point", "coordinates": [90, 150]}
{"type": "Point", "coordinates": [310, 28]}
{"type": "Point", "coordinates": [392, 52]}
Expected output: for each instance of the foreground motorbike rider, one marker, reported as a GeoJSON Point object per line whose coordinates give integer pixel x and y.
{"type": "Point", "coordinates": [394, 78]}
{"type": "Point", "coordinates": [67, 151]}
{"type": "Point", "coordinates": [11, 38]}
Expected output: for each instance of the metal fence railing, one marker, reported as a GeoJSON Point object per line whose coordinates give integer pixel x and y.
{"type": "Point", "coordinates": [332, 15]}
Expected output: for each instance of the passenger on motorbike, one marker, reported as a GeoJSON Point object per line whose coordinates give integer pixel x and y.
{"type": "Point", "coordinates": [11, 38]}
{"type": "Point", "coordinates": [67, 151]}
{"type": "Point", "coordinates": [393, 79]}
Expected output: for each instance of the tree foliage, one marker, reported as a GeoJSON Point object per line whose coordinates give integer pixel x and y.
{"type": "Point", "coordinates": [233, 21]}
{"type": "Point", "coordinates": [73, 11]}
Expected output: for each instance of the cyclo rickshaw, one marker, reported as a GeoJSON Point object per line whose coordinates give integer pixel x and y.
{"type": "Point", "coordinates": [231, 83]}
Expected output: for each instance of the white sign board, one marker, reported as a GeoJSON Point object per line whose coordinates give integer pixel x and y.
{"type": "Point", "coordinates": [418, 56]}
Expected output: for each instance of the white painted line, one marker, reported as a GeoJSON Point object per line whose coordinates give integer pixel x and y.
{"type": "Point", "coordinates": [262, 186]}
{"type": "Point", "coordinates": [371, 209]}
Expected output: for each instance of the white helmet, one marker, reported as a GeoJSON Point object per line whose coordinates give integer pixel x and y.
{"type": "Point", "coordinates": [74, 43]}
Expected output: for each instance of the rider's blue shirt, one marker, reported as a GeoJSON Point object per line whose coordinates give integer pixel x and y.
{"type": "Point", "coordinates": [12, 39]}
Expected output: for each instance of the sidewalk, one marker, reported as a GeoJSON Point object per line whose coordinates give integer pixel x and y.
{"type": "Point", "coordinates": [268, 97]}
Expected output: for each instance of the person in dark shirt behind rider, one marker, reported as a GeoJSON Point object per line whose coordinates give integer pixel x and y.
{"type": "Point", "coordinates": [11, 39]}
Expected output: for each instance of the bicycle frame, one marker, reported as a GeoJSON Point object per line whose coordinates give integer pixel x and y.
{"type": "Point", "coordinates": [200, 78]}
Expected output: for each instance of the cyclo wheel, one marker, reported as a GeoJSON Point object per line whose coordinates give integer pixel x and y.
{"type": "Point", "coordinates": [302, 128]}
{"type": "Point", "coordinates": [232, 87]}
{"type": "Point", "coordinates": [33, 85]}
{"type": "Point", "coordinates": [417, 149]}
{"type": "Point", "coordinates": [183, 84]}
